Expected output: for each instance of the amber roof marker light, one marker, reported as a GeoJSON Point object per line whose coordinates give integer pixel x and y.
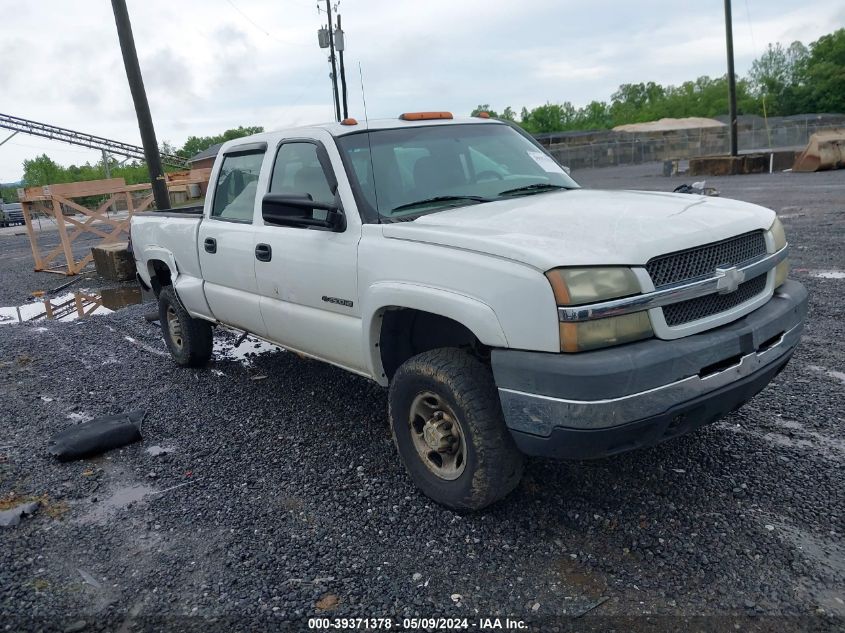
{"type": "Point", "coordinates": [483, 115]}
{"type": "Point", "coordinates": [424, 116]}
{"type": "Point", "coordinates": [349, 121]}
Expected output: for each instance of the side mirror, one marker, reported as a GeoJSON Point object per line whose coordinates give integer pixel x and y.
{"type": "Point", "coordinates": [298, 210]}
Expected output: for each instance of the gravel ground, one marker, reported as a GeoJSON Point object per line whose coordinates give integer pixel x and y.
{"type": "Point", "coordinates": [280, 497]}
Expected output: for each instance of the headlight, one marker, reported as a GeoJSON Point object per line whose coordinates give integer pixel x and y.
{"type": "Point", "coordinates": [779, 238]}
{"type": "Point", "coordinates": [778, 234]}
{"type": "Point", "coordinates": [586, 335]}
{"type": "Point", "coordinates": [577, 286]}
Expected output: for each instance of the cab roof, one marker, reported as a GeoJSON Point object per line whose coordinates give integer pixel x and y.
{"type": "Point", "coordinates": [337, 129]}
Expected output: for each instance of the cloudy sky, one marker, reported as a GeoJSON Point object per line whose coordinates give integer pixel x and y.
{"type": "Point", "coordinates": [214, 64]}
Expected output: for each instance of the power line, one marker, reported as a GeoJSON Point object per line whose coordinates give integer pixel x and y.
{"type": "Point", "coordinates": [255, 24]}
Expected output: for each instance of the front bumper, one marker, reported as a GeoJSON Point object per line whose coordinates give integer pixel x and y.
{"type": "Point", "coordinates": [593, 404]}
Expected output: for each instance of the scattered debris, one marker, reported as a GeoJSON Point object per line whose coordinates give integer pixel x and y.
{"type": "Point", "coordinates": [328, 601]}
{"type": "Point", "coordinates": [156, 451]}
{"type": "Point", "coordinates": [699, 188]}
{"type": "Point", "coordinates": [825, 150]}
{"type": "Point", "coordinates": [88, 578]}
{"type": "Point", "coordinates": [75, 627]}
{"type": "Point", "coordinates": [595, 605]}
{"type": "Point", "coordinates": [97, 436]}
{"type": "Point", "coordinates": [12, 516]}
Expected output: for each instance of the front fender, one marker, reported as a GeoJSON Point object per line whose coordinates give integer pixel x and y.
{"type": "Point", "coordinates": [475, 315]}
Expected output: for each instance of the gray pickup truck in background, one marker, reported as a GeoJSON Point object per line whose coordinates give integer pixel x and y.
{"type": "Point", "coordinates": [11, 213]}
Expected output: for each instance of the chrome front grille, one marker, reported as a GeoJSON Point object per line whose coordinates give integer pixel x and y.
{"type": "Point", "coordinates": [702, 261]}
{"type": "Point", "coordinates": [700, 307]}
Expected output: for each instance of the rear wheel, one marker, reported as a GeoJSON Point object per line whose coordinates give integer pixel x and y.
{"type": "Point", "coordinates": [189, 340]}
{"type": "Point", "coordinates": [449, 430]}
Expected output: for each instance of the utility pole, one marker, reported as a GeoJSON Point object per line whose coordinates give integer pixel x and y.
{"type": "Point", "coordinates": [142, 107]}
{"type": "Point", "coordinates": [325, 37]}
{"type": "Point", "coordinates": [731, 77]}
{"type": "Point", "coordinates": [9, 138]}
{"type": "Point", "coordinates": [341, 46]}
{"type": "Point", "coordinates": [332, 57]}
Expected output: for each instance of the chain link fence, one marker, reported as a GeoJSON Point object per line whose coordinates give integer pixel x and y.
{"type": "Point", "coordinates": [606, 148]}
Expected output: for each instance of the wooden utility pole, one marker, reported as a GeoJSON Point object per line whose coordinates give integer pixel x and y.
{"type": "Point", "coordinates": [142, 107]}
{"type": "Point", "coordinates": [731, 78]}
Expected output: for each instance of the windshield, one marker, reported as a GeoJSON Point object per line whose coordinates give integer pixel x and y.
{"type": "Point", "coordinates": [417, 170]}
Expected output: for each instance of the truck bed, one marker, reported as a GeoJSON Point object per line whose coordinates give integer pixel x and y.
{"type": "Point", "coordinates": [171, 237]}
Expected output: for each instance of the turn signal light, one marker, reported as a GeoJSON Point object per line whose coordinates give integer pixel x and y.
{"type": "Point", "coordinates": [424, 116]}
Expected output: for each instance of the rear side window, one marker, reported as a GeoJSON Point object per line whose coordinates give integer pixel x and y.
{"type": "Point", "coordinates": [237, 185]}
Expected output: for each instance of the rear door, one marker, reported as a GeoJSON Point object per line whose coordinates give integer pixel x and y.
{"type": "Point", "coordinates": [226, 239]}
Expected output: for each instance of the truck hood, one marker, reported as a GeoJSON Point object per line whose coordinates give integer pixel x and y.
{"type": "Point", "coordinates": [583, 227]}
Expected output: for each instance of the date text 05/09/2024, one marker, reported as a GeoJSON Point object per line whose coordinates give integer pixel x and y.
{"type": "Point", "coordinates": [412, 624]}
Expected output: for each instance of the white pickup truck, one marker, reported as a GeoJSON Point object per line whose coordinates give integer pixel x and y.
{"type": "Point", "coordinates": [509, 311]}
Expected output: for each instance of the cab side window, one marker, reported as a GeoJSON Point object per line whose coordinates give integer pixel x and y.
{"type": "Point", "coordinates": [237, 185]}
{"type": "Point", "coordinates": [298, 171]}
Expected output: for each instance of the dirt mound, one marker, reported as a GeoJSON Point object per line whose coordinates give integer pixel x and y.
{"type": "Point", "coordinates": [669, 124]}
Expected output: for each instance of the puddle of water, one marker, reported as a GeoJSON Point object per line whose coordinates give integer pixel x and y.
{"type": "Point", "coordinates": [117, 298]}
{"type": "Point", "coordinates": [118, 500]}
{"type": "Point", "coordinates": [828, 274]}
{"type": "Point", "coordinates": [67, 307]}
{"type": "Point", "coordinates": [71, 306]}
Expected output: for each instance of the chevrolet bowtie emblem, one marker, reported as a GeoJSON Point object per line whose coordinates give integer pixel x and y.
{"type": "Point", "coordinates": [728, 279]}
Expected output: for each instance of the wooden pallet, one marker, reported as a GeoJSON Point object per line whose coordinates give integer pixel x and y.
{"type": "Point", "coordinates": [97, 221]}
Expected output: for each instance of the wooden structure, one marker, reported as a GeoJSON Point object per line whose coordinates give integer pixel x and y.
{"type": "Point", "coordinates": [62, 204]}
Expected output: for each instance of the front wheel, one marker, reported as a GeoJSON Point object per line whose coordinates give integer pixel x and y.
{"type": "Point", "coordinates": [189, 340]}
{"type": "Point", "coordinates": [449, 430]}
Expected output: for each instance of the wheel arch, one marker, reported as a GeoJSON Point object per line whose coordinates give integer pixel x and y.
{"type": "Point", "coordinates": [397, 310]}
{"type": "Point", "coordinates": [160, 266]}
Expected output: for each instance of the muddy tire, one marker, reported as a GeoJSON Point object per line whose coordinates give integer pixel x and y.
{"type": "Point", "coordinates": [449, 430]}
{"type": "Point", "coordinates": [189, 340]}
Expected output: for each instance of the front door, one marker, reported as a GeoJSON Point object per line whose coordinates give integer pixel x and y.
{"type": "Point", "coordinates": [227, 244]}
{"type": "Point", "coordinates": [309, 297]}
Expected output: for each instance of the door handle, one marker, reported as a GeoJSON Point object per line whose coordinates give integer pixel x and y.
{"type": "Point", "coordinates": [263, 252]}
{"type": "Point", "coordinates": [210, 245]}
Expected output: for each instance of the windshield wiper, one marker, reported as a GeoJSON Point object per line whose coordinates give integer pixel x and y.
{"type": "Point", "coordinates": [537, 187]}
{"type": "Point", "coordinates": [420, 203]}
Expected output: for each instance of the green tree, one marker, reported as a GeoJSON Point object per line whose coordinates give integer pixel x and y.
{"type": "Point", "coordinates": [822, 78]}
{"type": "Point", "coordinates": [43, 170]}
{"type": "Point", "coordinates": [483, 107]}
{"type": "Point", "coordinates": [195, 144]}
{"type": "Point", "coordinates": [776, 74]}
{"type": "Point", "coordinates": [508, 114]}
